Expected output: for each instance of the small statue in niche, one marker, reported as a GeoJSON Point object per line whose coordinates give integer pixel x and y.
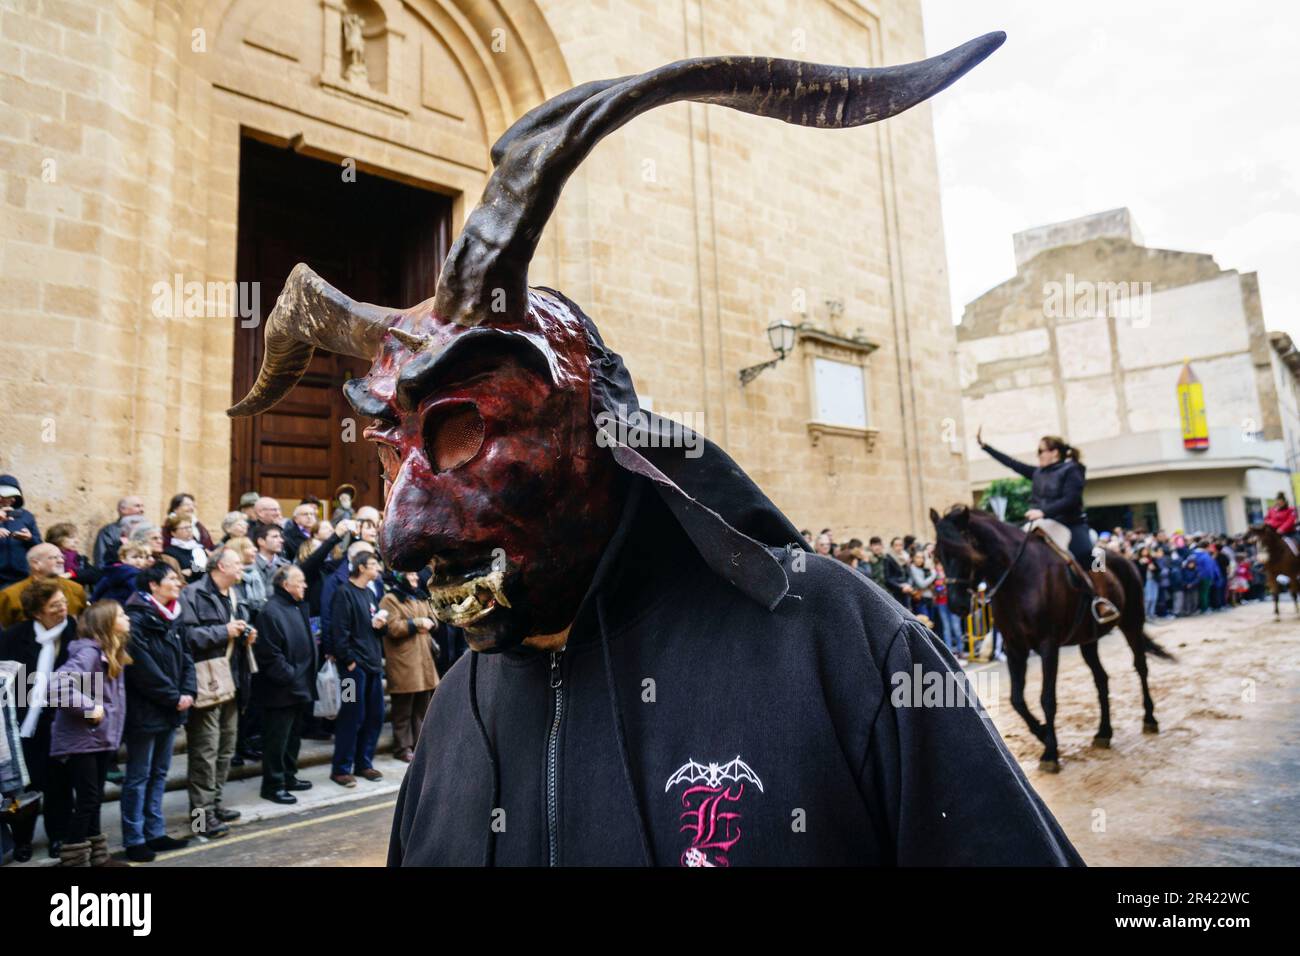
{"type": "Point", "coordinates": [354, 48]}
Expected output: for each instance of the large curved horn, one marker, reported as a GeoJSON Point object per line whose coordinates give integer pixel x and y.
{"type": "Point", "coordinates": [486, 272]}
{"type": "Point", "coordinates": [309, 314]}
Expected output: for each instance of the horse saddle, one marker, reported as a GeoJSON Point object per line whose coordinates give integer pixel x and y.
{"type": "Point", "coordinates": [1103, 610]}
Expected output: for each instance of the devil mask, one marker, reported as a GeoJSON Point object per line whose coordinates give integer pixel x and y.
{"type": "Point", "coordinates": [488, 399]}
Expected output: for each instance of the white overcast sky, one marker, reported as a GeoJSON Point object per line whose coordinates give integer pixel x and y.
{"type": "Point", "coordinates": [1185, 111]}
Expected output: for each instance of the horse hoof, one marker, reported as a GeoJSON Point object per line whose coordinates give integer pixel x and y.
{"type": "Point", "coordinates": [1150, 727]}
{"type": "Point", "coordinates": [1101, 742]}
{"type": "Point", "coordinates": [1049, 766]}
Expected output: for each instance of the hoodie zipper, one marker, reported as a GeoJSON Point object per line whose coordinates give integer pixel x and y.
{"type": "Point", "coordinates": [552, 757]}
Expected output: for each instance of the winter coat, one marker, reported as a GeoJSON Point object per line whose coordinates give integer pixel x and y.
{"type": "Point", "coordinates": [18, 643]}
{"type": "Point", "coordinates": [352, 637]}
{"type": "Point", "coordinates": [11, 606]}
{"type": "Point", "coordinates": [162, 669]}
{"type": "Point", "coordinates": [318, 566]}
{"type": "Point", "coordinates": [922, 581]}
{"type": "Point", "coordinates": [896, 575]}
{"type": "Point", "coordinates": [205, 612]}
{"type": "Point", "coordinates": [330, 586]}
{"type": "Point", "coordinates": [117, 582]}
{"type": "Point", "coordinates": [13, 551]}
{"type": "Point", "coordinates": [408, 653]}
{"type": "Point", "coordinates": [1058, 488]}
{"type": "Point", "coordinates": [107, 541]}
{"type": "Point", "coordinates": [185, 558]}
{"type": "Point", "coordinates": [1206, 567]}
{"type": "Point", "coordinates": [1281, 520]}
{"type": "Point", "coordinates": [285, 652]}
{"type": "Point", "coordinates": [81, 684]}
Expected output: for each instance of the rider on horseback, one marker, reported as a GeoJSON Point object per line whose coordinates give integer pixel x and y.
{"type": "Point", "coordinates": [1282, 519]}
{"type": "Point", "coordinates": [1057, 499]}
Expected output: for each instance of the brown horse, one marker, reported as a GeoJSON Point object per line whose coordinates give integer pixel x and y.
{"type": "Point", "coordinates": [1040, 603]}
{"type": "Point", "coordinates": [1281, 560]}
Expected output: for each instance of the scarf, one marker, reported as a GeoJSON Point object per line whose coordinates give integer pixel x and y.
{"type": "Point", "coordinates": [70, 562]}
{"type": "Point", "coordinates": [39, 695]}
{"type": "Point", "coordinates": [198, 557]}
{"type": "Point", "coordinates": [169, 612]}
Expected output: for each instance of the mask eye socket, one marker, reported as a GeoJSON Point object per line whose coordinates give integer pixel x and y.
{"type": "Point", "coordinates": [453, 435]}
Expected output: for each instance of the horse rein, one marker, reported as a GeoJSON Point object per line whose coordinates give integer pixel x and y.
{"type": "Point", "coordinates": [988, 594]}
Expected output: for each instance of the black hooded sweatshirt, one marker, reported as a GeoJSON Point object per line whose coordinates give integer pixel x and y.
{"type": "Point", "coordinates": [686, 724]}
{"type": "Point", "coordinates": [725, 698]}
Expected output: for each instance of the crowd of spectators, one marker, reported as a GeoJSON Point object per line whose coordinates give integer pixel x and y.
{"type": "Point", "coordinates": [165, 627]}
{"type": "Point", "coordinates": [1182, 574]}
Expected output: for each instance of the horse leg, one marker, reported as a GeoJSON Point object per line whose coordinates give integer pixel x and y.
{"type": "Point", "coordinates": [1149, 724]}
{"type": "Point", "coordinates": [1093, 660]}
{"type": "Point", "coordinates": [1017, 659]}
{"type": "Point", "coordinates": [1276, 594]}
{"type": "Point", "coordinates": [1050, 654]}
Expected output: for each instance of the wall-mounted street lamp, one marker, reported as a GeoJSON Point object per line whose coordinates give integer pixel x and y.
{"type": "Point", "coordinates": [781, 336]}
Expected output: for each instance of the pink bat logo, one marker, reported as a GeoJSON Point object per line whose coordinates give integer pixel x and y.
{"type": "Point", "coordinates": [711, 815]}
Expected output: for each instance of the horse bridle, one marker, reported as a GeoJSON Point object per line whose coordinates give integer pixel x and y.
{"type": "Point", "coordinates": [988, 594]}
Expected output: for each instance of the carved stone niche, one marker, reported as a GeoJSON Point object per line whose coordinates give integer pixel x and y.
{"type": "Point", "coordinates": [362, 53]}
{"type": "Point", "coordinates": [841, 363]}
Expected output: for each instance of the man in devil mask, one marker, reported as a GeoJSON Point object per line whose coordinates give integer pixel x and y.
{"type": "Point", "coordinates": [662, 673]}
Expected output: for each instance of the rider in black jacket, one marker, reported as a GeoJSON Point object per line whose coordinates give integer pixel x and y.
{"type": "Point", "coordinates": [1058, 489]}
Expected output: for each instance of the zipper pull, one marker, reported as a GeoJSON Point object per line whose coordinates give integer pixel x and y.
{"type": "Point", "coordinates": [556, 679]}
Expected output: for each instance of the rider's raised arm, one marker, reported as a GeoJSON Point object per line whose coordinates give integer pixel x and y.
{"type": "Point", "coordinates": [1019, 467]}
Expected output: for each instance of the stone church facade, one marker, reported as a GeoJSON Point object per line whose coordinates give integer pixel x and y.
{"type": "Point", "coordinates": [164, 162]}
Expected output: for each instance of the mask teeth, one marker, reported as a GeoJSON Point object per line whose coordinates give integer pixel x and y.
{"type": "Point", "coordinates": [461, 597]}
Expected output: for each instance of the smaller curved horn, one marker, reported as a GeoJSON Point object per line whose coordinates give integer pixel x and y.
{"type": "Point", "coordinates": [310, 314]}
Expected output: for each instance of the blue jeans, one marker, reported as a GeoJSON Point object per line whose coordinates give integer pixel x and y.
{"type": "Point", "coordinates": [1152, 594]}
{"type": "Point", "coordinates": [953, 633]}
{"type": "Point", "coordinates": [148, 758]}
{"type": "Point", "coordinates": [361, 717]}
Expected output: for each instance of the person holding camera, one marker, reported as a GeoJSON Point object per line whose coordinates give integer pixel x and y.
{"type": "Point", "coordinates": [214, 621]}
{"type": "Point", "coordinates": [18, 532]}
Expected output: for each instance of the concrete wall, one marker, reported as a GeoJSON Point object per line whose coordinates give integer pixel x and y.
{"type": "Point", "coordinates": [683, 235]}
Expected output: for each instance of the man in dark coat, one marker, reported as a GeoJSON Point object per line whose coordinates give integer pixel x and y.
{"type": "Point", "coordinates": [215, 623]}
{"type": "Point", "coordinates": [109, 538]}
{"type": "Point", "coordinates": [18, 531]}
{"type": "Point", "coordinates": [356, 642]}
{"type": "Point", "coordinates": [160, 690]}
{"type": "Point", "coordinates": [286, 664]}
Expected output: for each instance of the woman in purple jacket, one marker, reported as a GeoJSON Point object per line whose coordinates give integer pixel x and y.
{"type": "Point", "coordinates": [91, 695]}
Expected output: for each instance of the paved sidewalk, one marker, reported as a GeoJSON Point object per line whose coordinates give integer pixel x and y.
{"type": "Point", "coordinates": [243, 795]}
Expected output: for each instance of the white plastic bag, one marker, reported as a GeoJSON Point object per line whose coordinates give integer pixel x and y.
{"type": "Point", "coordinates": [329, 692]}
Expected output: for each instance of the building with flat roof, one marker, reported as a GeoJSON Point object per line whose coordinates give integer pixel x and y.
{"type": "Point", "coordinates": [1088, 341]}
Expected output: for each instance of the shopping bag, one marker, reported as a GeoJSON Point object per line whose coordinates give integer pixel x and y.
{"type": "Point", "coordinates": [329, 692]}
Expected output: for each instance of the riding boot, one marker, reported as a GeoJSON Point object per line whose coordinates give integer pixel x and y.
{"type": "Point", "coordinates": [1103, 611]}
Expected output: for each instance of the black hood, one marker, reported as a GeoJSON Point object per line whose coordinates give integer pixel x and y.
{"type": "Point", "coordinates": [727, 517]}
